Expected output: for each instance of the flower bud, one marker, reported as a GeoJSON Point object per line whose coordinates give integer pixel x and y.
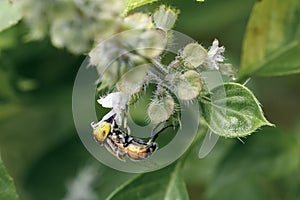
{"type": "Point", "coordinates": [165, 18]}
{"type": "Point", "coordinates": [151, 43]}
{"type": "Point", "coordinates": [133, 80]}
{"type": "Point", "coordinates": [161, 109]}
{"type": "Point", "coordinates": [188, 85]}
{"type": "Point", "coordinates": [193, 55]}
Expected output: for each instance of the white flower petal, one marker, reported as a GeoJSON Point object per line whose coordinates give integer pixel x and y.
{"type": "Point", "coordinates": [115, 100]}
{"type": "Point", "coordinates": [106, 101]}
{"type": "Point", "coordinates": [214, 55]}
{"type": "Point", "coordinates": [214, 48]}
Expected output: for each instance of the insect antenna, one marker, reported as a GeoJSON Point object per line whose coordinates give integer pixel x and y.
{"type": "Point", "coordinates": [125, 120]}
{"type": "Point", "coordinates": [111, 119]}
{"type": "Point", "coordinates": [154, 129]}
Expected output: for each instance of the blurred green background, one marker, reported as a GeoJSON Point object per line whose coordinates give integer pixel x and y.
{"type": "Point", "coordinates": [44, 155]}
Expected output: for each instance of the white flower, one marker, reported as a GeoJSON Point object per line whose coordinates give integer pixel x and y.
{"type": "Point", "coordinates": [117, 101]}
{"type": "Point", "coordinates": [214, 55]}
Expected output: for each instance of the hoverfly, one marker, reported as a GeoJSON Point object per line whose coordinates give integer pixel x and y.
{"type": "Point", "coordinates": [120, 144]}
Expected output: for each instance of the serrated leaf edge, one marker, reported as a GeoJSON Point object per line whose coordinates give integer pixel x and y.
{"type": "Point", "coordinates": [263, 123]}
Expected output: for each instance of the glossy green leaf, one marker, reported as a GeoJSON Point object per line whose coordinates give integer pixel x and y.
{"type": "Point", "coordinates": [233, 111]}
{"type": "Point", "coordinates": [163, 184]}
{"type": "Point", "coordinates": [9, 14]}
{"type": "Point", "coordinates": [132, 4]}
{"type": "Point", "coordinates": [272, 40]}
{"type": "Point", "coordinates": [7, 188]}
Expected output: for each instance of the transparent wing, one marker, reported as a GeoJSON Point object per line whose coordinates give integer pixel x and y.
{"type": "Point", "coordinates": [208, 144]}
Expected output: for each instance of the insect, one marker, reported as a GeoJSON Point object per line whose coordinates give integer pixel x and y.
{"type": "Point", "coordinates": [119, 142]}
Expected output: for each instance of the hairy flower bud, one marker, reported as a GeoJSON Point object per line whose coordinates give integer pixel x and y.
{"type": "Point", "coordinates": [133, 80]}
{"type": "Point", "coordinates": [160, 109]}
{"type": "Point", "coordinates": [188, 86]}
{"type": "Point", "coordinates": [165, 17]}
{"type": "Point", "coordinates": [193, 55]}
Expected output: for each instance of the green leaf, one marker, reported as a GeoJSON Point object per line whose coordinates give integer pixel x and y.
{"type": "Point", "coordinates": [272, 41]}
{"type": "Point", "coordinates": [163, 184]}
{"type": "Point", "coordinates": [132, 4]}
{"type": "Point", "coordinates": [9, 14]}
{"type": "Point", "coordinates": [233, 111]}
{"type": "Point", "coordinates": [7, 188]}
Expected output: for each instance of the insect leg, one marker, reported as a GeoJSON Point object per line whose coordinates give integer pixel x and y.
{"type": "Point", "coordinates": [154, 128]}
{"type": "Point", "coordinates": [161, 130]}
{"type": "Point", "coordinates": [111, 119]}
{"type": "Point", "coordinates": [94, 125]}
{"type": "Point", "coordinates": [138, 141]}
{"type": "Point", "coordinates": [126, 128]}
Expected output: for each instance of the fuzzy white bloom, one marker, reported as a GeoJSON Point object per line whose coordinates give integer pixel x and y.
{"type": "Point", "coordinates": [214, 55]}
{"type": "Point", "coordinates": [117, 101]}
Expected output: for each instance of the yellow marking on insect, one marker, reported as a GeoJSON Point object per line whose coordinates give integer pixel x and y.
{"type": "Point", "coordinates": [139, 151]}
{"type": "Point", "coordinates": [101, 132]}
